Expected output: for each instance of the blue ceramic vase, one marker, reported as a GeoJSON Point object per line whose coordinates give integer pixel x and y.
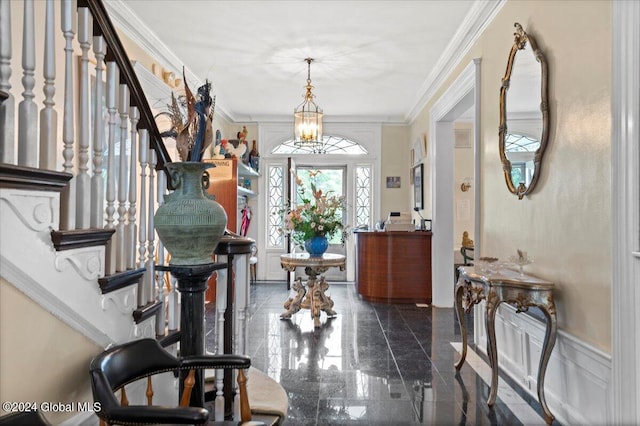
{"type": "Point", "coordinates": [316, 246]}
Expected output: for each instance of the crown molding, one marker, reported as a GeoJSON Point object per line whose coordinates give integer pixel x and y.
{"type": "Point", "coordinates": [480, 15]}
{"type": "Point", "coordinates": [478, 18]}
{"type": "Point", "coordinates": [136, 30]}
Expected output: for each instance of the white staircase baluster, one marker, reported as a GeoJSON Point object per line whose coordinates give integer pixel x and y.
{"type": "Point", "coordinates": [241, 268]}
{"type": "Point", "coordinates": [121, 250]}
{"type": "Point", "coordinates": [221, 307]}
{"type": "Point", "coordinates": [160, 291]}
{"type": "Point", "coordinates": [149, 282]}
{"type": "Point", "coordinates": [134, 116]}
{"type": "Point", "coordinates": [27, 109]}
{"type": "Point", "coordinates": [241, 301]}
{"type": "Point", "coordinates": [83, 180]}
{"type": "Point", "coordinates": [97, 180]}
{"type": "Point", "coordinates": [110, 265]}
{"type": "Point", "coordinates": [174, 304]}
{"type": "Point", "coordinates": [142, 231]}
{"type": "Point", "coordinates": [7, 108]}
{"type": "Point", "coordinates": [68, 195]}
{"type": "Point", "coordinates": [48, 115]}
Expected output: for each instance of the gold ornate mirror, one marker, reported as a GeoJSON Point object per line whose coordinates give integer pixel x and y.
{"type": "Point", "coordinates": [524, 114]}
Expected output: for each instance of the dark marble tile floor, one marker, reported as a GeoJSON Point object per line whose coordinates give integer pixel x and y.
{"type": "Point", "coordinates": [374, 364]}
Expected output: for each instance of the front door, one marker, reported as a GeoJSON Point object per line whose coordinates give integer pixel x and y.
{"type": "Point", "coordinates": [329, 179]}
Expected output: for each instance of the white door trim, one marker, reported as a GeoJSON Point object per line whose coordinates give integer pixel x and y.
{"type": "Point", "coordinates": [625, 211]}
{"type": "Point", "coordinates": [463, 93]}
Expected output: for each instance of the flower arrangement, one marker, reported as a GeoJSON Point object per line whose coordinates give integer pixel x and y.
{"type": "Point", "coordinates": [318, 214]}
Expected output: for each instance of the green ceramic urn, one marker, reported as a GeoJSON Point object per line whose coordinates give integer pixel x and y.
{"type": "Point", "coordinates": [190, 222]}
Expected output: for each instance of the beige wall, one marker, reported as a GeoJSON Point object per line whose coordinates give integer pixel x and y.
{"type": "Point", "coordinates": [395, 161]}
{"type": "Point", "coordinates": [565, 225]}
{"type": "Point", "coordinates": [41, 358]}
{"type": "Point", "coordinates": [463, 202]}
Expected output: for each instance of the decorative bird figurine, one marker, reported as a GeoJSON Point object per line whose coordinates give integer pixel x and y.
{"type": "Point", "coordinates": [238, 151]}
{"type": "Point", "coordinates": [243, 134]}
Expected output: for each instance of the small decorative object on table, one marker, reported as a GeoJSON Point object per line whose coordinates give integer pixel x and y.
{"type": "Point", "coordinates": [315, 219]}
{"type": "Point", "coordinates": [466, 241]}
{"type": "Point", "coordinates": [254, 157]}
{"type": "Point", "coordinates": [487, 264]}
{"type": "Point", "coordinates": [521, 260]}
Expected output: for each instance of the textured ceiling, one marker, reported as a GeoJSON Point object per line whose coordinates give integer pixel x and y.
{"type": "Point", "coordinates": [374, 60]}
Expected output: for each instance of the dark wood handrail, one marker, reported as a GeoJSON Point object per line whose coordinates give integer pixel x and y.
{"type": "Point", "coordinates": [115, 52]}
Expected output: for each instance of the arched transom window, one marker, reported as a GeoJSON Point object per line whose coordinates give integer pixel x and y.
{"type": "Point", "coordinates": [329, 145]}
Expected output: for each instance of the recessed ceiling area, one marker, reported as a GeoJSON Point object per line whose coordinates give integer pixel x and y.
{"type": "Point", "coordinates": [373, 60]}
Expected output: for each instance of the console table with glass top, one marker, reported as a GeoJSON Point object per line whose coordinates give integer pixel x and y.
{"type": "Point", "coordinates": [520, 290]}
{"type": "Point", "coordinates": [313, 297]}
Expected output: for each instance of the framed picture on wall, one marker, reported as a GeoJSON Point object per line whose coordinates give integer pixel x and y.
{"type": "Point", "coordinates": [462, 138]}
{"type": "Point", "coordinates": [393, 181]}
{"type": "Point", "coordinates": [417, 187]}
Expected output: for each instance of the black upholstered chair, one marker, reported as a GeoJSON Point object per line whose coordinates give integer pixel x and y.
{"type": "Point", "coordinates": [123, 364]}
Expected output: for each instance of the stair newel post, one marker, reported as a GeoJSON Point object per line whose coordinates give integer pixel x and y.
{"type": "Point", "coordinates": [83, 180]}
{"type": "Point", "coordinates": [27, 109]}
{"type": "Point", "coordinates": [7, 107]}
{"type": "Point", "coordinates": [160, 293]}
{"type": "Point", "coordinates": [151, 235]}
{"type": "Point", "coordinates": [68, 195]}
{"type": "Point", "coordinates": [123, 109]}
{"type": "Point", "coordinates": [48, 114]}
{"type": "Point", "coordinates": [231, 301]}
{"type": "Point", "coordinates": [192, 283]}
{"type": "Point", "coordinates": [142, 231]}
{"type": "Point", "coordinates": [97, 180]}
{"type": "Point", "coordinates": [110, 265]}
{"type": "Point", "coordinates": [134, 116]}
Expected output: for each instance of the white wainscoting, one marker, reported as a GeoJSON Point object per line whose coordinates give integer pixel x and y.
{"type": "Point", "coordinates": [578, 377]}
{"type": "Point", "coordinates": [65, 282]}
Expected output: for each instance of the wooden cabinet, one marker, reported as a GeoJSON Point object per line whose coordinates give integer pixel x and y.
{"type": "Point", "coordinates": [394, 266]}
{"type": "Point", "coordinates": [228, 182]}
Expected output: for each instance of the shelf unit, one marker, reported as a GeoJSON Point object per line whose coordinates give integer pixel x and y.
{"type": "Point", "coordinates": [225, 185]}
{"type": "Point", "coordinates": [246, 173]}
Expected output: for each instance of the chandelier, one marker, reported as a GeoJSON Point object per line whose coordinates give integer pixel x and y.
{"type": "Point", "coordinates": [307, 119]}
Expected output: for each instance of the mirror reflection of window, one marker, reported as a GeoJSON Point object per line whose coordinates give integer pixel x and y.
{"type": "Point", "coordinates": [518, 173]}
{"type": "Point", "coordinates": [520, 151]}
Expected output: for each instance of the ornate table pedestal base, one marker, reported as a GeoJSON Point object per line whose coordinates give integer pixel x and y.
{"type": "Point", "coordinates": [314, 296]}
{"type": "Point", "coordinates": [521, 291]}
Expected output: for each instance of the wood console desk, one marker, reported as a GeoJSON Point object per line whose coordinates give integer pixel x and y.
{"type": "Point", "coordinates": [521, 291]}
{"type": "Point", "coordinates": [394, 266]}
